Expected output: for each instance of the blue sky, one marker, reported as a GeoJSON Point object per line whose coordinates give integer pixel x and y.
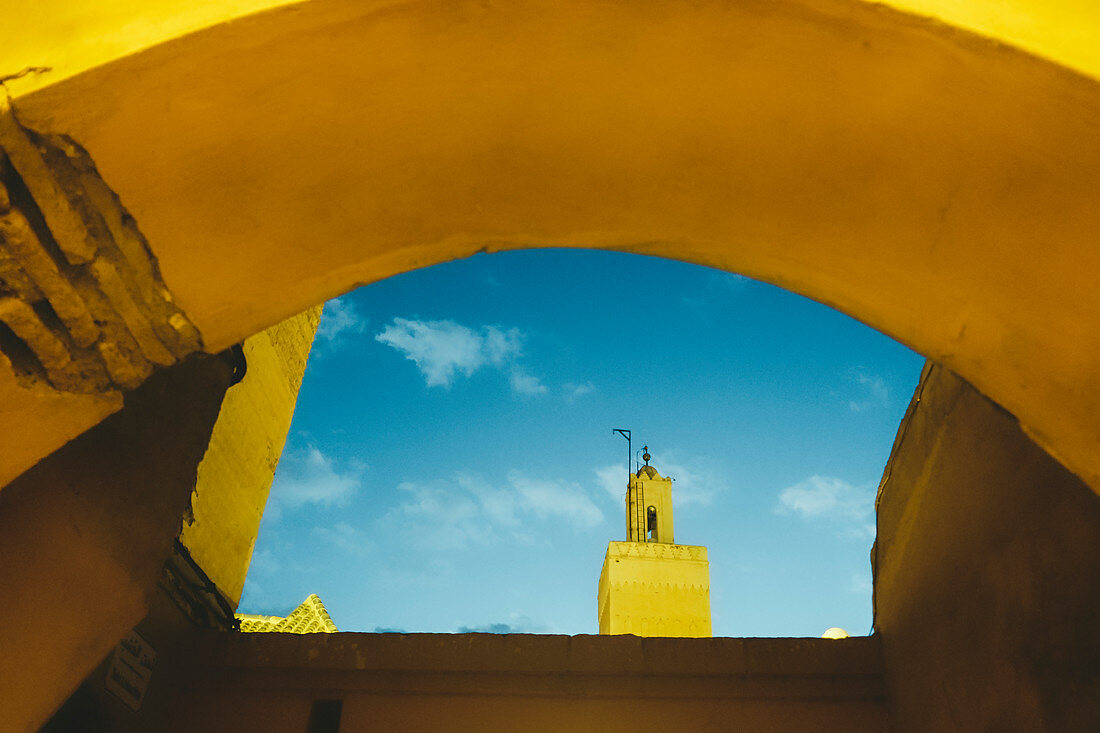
{"type": "Point", "coordinates": [451, 465]}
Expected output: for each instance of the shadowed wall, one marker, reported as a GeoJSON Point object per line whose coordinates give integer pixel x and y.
{"type": "Point", "coordinates": [987, 579]}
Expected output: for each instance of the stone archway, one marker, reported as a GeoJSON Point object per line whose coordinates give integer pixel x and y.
{"type": "Point", "coordinates": [930, 183]}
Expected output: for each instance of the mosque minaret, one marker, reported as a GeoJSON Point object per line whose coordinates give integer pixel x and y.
{"type": "Point", "coordinates": [649, 585]}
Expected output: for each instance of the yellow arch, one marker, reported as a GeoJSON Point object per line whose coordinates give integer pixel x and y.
{"type": "Point", "coordinates": [934, 184]}
{"type": "Point", "coordinates": [71, 36]}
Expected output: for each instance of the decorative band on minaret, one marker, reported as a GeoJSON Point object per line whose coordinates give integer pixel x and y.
{"type": "Point", "coordinates": [649, 586]}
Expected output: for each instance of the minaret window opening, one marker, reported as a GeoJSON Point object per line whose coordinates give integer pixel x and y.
{"type": "Point", "coordinates": [651, 523]}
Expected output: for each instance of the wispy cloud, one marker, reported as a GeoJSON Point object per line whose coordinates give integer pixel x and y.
{"type": "Point", "coordinates": [311, 477]}
{"type": "Point", "coordinates": [697, 485]}
{"type": "Point", "coordinates": [345, 538]}
{"type": "Point", "coordinates": [263, 563]}
{"type": "Point", "coordinates": [695, 482]}
{"type": "Point", "coordinates": [719, 287]}
{"type": "Point", "coordinates": [524, 383]}
{"type": "Point", "coordinates": [437, 517]}
{"type": "Point", "coordinates": [612, 479]}
{"type": "Point", "coordinates": [339, 319]}
{"type": "Point", "coordinates": [573, 392]}
{"type": "Point", "coordinates": [443, 350]}
{"type": "Point", "coordinates": [729, 281]}
{"type": "Point", "coordinates": [549, 499]}
{"type": "Point", "coordinates": [453, 514]}
{"type": "Point", "coordinates": [517, 624]}
{"type": "Point", "coordinates": [871, 391]}
{"type": "Point", "coordinates": [824, 497]}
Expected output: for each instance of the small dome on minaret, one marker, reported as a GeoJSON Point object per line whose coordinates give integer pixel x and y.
{"type": "Point", "coordinates": [647, 470]}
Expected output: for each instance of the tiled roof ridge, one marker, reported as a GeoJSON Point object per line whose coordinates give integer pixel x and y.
{"type": "Point", "coordinates": [309, 617]}
{"type": "Point", "coordinates": [322, 613]}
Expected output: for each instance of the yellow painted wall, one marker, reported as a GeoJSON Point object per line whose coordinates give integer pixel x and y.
{"type": "Point", "coordinates": [71, 36]}
{"type": "Point", "coordinates": [987, 574]}
{"type": "Point", "coordinates": [76, 35]}
{"type": "Point", "coordinates": [85, 533]}
{"type": "Point", "coordinates": [654, 589]}
{"type": "Point", "coordinates": [1064, 31]}
{"type": "Point", "coordinates": [531, 683]}
{"type": "Point", "coordinates": [654, 491]}
{"type": "Point", "coordinates": [937, 186]}
{"type": "Point", "coordinates": [235, 474]}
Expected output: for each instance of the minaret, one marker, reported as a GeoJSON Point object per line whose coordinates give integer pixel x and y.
{"type": "Point", "coordinates": [649, 585]}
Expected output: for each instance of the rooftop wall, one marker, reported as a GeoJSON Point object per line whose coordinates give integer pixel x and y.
{"type": "Point", "coordinates": [479, 682]}
{"type": "Point", "coordinates": [987, 573]}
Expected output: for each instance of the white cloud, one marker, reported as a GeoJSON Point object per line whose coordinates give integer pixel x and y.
{"type": "Point", "coordinates": [556, 500]}
{"type": "Point", "coordinates": [524, 383]}
{"type": "Point", "coordinates": [499, 505]}
{"type": "Point", "coordinates": [338, 318]}
{"type": "Point", "coordinates": [263, 563]}
{"type": "Point", "coordinates": [827, 497]}
{"type": "Point", "coordinates": [500, 346]}
{"type": "Point", "coordinates": [872, 391]}
{"type": "Point", "coordinates": [517, 624]}
{"type": "Point", "coordinates": [729, 281]}
{"type": "Point", "coordinates": [697, 485]}
{"type": "Point", "coordinates": [575, 391]}
{"type": "Point", "coordinates": [312, 478]}
{"type": "Point", "coordinates": [345, 538]}
{"type": "Point", "coordinates": [442, 349]}
{"type": "Point", "coordinates": [438, 348]}
{"type": "Point", "coordinates": [437, 517]}
{"type": "Point", "coordinates": [452, 514]}
{"type": "Point", "coordinates": [612, 479]}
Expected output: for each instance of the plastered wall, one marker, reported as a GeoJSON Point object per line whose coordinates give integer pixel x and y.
{"type": "Point", "coordinates": [937, 185]}
{"type": "Point", "coordinates": [987, 573]}
{"type": "Point", "coordinates": [654, 589]}
{"type": "Point", "coordinates": [83, 536]}
{"type": "Point", "coordinates": [523, 682]}
{"type": "Point", "coordinates": [235, 474]}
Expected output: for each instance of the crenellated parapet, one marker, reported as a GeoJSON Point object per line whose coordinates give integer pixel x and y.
{"type": "Point", "coordinates": [656, 550]}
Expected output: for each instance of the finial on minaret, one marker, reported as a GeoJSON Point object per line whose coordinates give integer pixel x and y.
{"type": "Point", "coordinates": [645, 454]}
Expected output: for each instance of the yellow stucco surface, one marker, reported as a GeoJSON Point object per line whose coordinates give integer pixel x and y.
{"type": "Point", "coordinates": [1064, 31]}
{"type": "Point", "coordinates": [646, 490]}
{"type": "Point", "coordinates": [310, 617]}
{"type": "Point", "coordinates": [85, 533]}
{"type": "Point", "coordinates": [987, 573]}
{"type": "Point", "coordinates": [655, 589]}
{"type": "Point", "coordinates": [475, 683]}
{"type": "Point", "coordinates": [71, 36]}
{"type": "Point", "coordinates": [935, 185]}
{"type": "Point", "coordinates": [235, 475]}
{"type": "Point", "coordinates": [75, 35]}
{"type": "Point", "coordinates": [46, 419]}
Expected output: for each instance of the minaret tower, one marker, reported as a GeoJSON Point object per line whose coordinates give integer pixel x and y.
{"type": "Point", "coordinates": [649, 585]}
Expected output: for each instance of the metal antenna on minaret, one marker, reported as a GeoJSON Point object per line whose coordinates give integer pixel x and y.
{"type": "Point", "coordinates": [629, 454]}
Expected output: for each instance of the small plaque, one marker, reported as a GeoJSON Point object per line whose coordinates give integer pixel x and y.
{"type": "Point", "coordinates": [130, 669]}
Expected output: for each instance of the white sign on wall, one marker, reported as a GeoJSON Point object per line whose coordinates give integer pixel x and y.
{"type": "Point", "coordinates": [130, 669]}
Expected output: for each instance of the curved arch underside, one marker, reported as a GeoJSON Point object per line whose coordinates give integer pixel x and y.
{"type": "Point", "coordinates": [937, 186]}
